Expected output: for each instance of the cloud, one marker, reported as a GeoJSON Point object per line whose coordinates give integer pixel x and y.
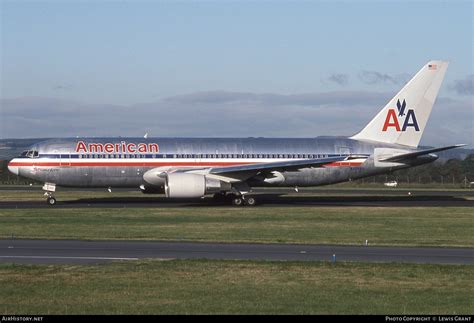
{"type": "Point", "coordinates": [373, 77]}
{"type": "Point", "coordinates": [224, 114]}
{"type": "Point", "coordinates": [304, 99]}
{"type": "Point", "coordinates": [340, 79]}
{"type": "Point", "coordinates": [465, 86]}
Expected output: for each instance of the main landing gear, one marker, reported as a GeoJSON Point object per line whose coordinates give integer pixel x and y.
{"type": "Point", "coordinates": [241, 200]}
{"type": "Point", "coordinates": [236, 199]}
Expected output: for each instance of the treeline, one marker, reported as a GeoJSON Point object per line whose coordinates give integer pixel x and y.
{"type": "Point", "coordinates": [7, 178]}
{"type": "Point", "coordinates": [452, 172]}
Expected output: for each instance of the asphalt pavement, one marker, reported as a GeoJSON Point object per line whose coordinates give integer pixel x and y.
{"type": "Point", "coordinates": [87, 252]}
{"type": "Point", "coordinates": [269, 198]}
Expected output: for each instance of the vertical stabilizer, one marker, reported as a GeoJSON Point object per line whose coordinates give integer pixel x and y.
{"type": "Point", "coordinates": [403, 120]}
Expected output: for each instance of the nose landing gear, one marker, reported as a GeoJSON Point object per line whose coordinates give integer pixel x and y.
{"type": "Point", "coordinates": [51, 200]}
{"type": "Point", "coordinates": [50, 189]}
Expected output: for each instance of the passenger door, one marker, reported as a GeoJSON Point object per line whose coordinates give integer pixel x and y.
{"type": "Point", "coordinates": [343, 150]}
{"type": "Point", "coordinates": [65, 160]}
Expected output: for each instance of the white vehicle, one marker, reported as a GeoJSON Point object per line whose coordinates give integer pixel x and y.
{"type": "Point", "coordinates": [391, 184]}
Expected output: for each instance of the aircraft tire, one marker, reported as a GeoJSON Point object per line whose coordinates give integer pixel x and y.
{"type": "Point", "coordinates": [51, 201]}
{"type": "Point", "coordinates": [237, 201]}
{"type": "Point", "coordinates": [250, 201]}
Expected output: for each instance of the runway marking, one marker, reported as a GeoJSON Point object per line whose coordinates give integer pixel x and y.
{"type": "Point", "coordinates": [55, 257]}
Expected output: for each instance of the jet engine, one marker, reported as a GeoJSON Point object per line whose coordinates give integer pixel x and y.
{"type": "Point", "coordinates": [185, 185]}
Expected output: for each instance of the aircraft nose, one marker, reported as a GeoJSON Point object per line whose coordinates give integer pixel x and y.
{"type": "Point", "coordinates": [12, 168]}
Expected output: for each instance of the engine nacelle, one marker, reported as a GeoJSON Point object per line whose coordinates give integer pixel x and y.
{"type": "Point", "coordinates": [185, 185]}
{"type": "Point", "coordinates": [155, 176]}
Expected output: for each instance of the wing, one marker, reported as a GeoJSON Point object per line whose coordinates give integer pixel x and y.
{"type": "Point", "coordinates": [277, 166]}
{"type": "Point", "coordinates": [243, 172]}
{"type": "Point", "coordinates": [403, 157]}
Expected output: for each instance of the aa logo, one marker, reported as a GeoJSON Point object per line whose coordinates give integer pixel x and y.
{"type": "Point", "coordinates": [395, 118]}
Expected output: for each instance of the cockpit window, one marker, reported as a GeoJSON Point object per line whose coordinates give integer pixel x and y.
{"type": "Point", "coordinates": [29, 154]}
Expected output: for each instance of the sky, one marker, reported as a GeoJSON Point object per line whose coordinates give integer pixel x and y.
{"type": "Point", "coordinates": [227, 68]}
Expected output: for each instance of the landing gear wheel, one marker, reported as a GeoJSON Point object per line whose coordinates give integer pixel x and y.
{"type": "Point", "coordinates": [250, 201]}
{"type": "Point", "coordinates": [51, 200]}
{"type": "Point", "coordinates": [237, 201]}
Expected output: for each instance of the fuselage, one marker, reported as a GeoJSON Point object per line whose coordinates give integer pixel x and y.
{"type": "Point", "coordinates": [122, 162]}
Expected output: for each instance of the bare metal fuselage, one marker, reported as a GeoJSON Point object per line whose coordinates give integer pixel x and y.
{"type": "Point", "coordinates": [59, 161]}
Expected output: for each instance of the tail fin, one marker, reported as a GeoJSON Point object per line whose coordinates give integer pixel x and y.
{"type": "Point", "coordinates": [403, 120]}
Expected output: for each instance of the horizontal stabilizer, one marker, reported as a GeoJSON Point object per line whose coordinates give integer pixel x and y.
{"type": "Point", "coordinates": [402, 157]}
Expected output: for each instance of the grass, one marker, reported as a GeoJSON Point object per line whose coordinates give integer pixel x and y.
{"type": "Point", "coordinates": [237, 287]}
{"type": "Point", "coordinates": [231, 287]}
{"type": "Point", "coordinates": [416, 226]}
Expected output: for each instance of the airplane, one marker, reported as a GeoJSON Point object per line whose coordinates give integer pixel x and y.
{"type": "Point", "coordinates": [229, 168]}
